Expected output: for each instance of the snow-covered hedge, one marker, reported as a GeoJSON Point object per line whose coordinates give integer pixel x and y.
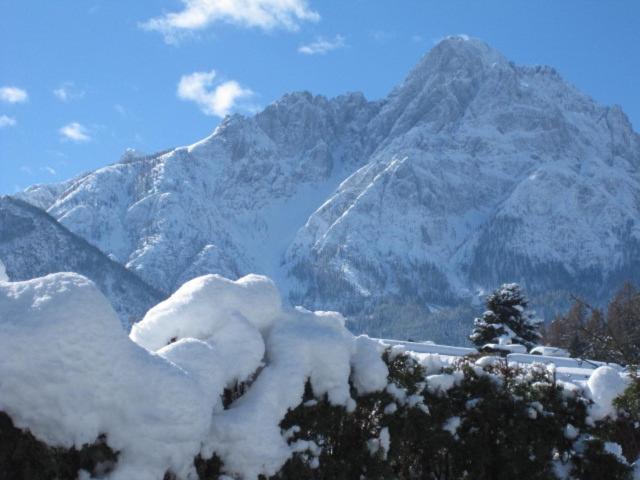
{"type": "Point", "coordinates": [221, 379]}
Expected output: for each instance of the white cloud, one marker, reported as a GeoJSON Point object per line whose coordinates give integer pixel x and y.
{"type": "Point", "coordinates": [6, 121]}
{"type": "Point", "coordinates": [67, 91]}
{"type": "Point", "coordinates": [212, 99]}
{"type": "Point", "coordinates": [200, 14]}
{"type": "Point", "coordinates": [13, 95]}
{"type": "Point", "coordinates": [74, 132]}
{"type": "Point", "coordinates": [49, 170]}
{"type": "Point", "coordinates": [322, 46]}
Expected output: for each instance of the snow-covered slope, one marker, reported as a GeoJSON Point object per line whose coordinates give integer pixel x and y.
{"type": "Point", "coordinates": [230, 203]}
{"type": "Point", "coordinates": [33, 244]}
{"type": "Point", "coordinates": [472, 172]}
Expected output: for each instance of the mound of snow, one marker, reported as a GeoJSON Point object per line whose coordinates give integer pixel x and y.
{"type": "Point", "coordinates": [246, 327]}
{"type": "Point", "coordinates": [302, 345]}
{"type": "Point", "coordinates": [605, 384]}
{"type": "Point", "coordinates": [200, 307]}
{"type": "Point", "coordinates": [69, 373]}
{"type": "Point", "coordinates": [201, 362]}
{"type": "Point", "coordinates": [443, 382]}
{"type": "Point", "coordinates": [369, 371]}
{"type": "Point", "coordinates": [489, 361]}
{"type": "Point", "coordinates": [228, 315]}
{"type": "Point", "coordinates": [240, 326]}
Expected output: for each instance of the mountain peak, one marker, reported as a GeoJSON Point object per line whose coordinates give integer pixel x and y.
{"type": "Point", "coordinates": [459, 52]}
{"type": "Point", "coordinates": [453, 57]}
{"type": "Point", "coordinates": [462, 41]}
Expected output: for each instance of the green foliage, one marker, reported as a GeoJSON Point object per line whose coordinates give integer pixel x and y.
{"type": "Point", "coordinates": [208, 469]}
{"type": "Point", "coordinates": [509, 423]}
{"type": "Point", "coordinates": [23, 457]}
{"type": "Point", "coordinates": [629, 401]}
{"type": "Point", "coordinates": [596, 464]}
{"type": "Point", "coordinates": [512, 425]}
{"type": "Point", "coordinates": [626, 429]}
{"type": "Point", "coordinates": [507, 315]}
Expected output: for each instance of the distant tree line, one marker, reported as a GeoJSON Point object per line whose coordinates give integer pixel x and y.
{"type": "Point", "coordinates": [585, 331]}
{"type": "Point", "coordinates": [611, 335]}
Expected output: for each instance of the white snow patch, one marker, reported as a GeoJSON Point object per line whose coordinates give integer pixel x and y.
{"type": "Point", "coordinates": [489, 361]}
{"type": "Point", "coordinates": [604, 385]}
{"type": "Point", "coordinates": [203, 305]}
{"type": "Point", "coordinates": [615, 449]}
{"type": "Point", "coordinates": [452, 425]}
{"type": "Point", "coordinates": [301, 345]}
{"type": "Point", "coordinates": [369, 370]}
{"type": "Point", "coordinates": [441, 383]}
{"type": "Point", "coordinates": [571, 432]}
{"type": "Point", "coordinates": [382, 443]}
{"type": "Point", "coordinates": [69, 373]}
{"type": "Point", "coordinates": [391, 408]}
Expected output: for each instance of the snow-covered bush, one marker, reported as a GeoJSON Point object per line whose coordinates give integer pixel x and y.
{"type": "Point", "coordinates": [221, 381]}
{"type": "Point", "coordinates": [625, 428]}
{"type": "Point", "coordinates": [490, 423]}
{"type": "Point", "coordinates": [70, 374]}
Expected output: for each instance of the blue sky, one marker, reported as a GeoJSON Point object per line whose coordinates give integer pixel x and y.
{"type": "Point", "coordinates": [82, 80]}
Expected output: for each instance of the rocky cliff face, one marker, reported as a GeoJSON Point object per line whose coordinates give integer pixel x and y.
{"type": "Point", "coordinates": [33, 244]}
{"type": "Point", "coordinates": [473, 171]}
{"type": "Point", "coordinates": [488, 172]}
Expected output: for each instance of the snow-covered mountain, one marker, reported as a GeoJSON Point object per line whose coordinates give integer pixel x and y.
{"type": "Point", "coordinates": [473, 171]}
{"type": "Point", "coordinates": [33, 244]}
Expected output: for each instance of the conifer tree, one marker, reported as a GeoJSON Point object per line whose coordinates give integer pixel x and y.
{"type": "Point", "coordinates": [507, 319]}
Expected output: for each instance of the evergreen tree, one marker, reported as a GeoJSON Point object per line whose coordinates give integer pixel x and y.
{"type": "Point", "coordinates": [507, 319]}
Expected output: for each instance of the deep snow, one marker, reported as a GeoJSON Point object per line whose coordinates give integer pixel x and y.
{"type": "Point", "coordinates": [69, 373]}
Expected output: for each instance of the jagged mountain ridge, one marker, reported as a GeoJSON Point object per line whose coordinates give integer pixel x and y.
{"type": "Point", "coordinates": [508, 172]}
{"type": "Point", "coordinates": [471, 172]}
{"type": "Point", "coordinates": [33, 244]}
